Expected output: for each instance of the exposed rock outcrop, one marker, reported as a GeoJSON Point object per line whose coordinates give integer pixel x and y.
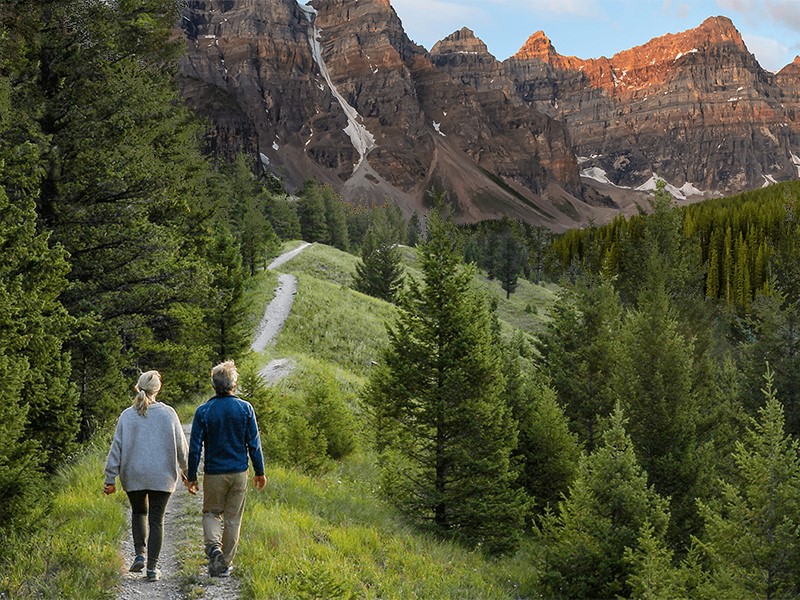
{"type": "Point", "coordinates": [693, 107]}
{"type": "Point", "coordinates": [335, 90]}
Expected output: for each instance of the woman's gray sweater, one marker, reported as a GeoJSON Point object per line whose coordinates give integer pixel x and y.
{"type": "Point", "coordinates": [148, 452]}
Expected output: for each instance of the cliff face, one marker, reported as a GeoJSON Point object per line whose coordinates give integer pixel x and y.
{"type": "Point", "coordinates": [250, 70]}
{"type": "Point", "coordinates": [337, 91]}
{"type": "Point", "coordinates": [693, 107]}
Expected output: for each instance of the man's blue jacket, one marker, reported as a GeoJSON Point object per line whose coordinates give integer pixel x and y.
{"type": "Point", "coordinates": [226, 426]}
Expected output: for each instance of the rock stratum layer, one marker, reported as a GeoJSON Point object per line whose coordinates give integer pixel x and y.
{"type": "Point", "coordinates": [694, 107]}
{"type": "Point", "coordinates": [336, 90]}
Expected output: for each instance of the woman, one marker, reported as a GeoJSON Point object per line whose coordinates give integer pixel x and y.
{"type": "Point", "coordinates": [148, 454]}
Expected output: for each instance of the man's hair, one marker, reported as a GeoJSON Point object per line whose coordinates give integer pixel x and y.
{"type": "Point", "coordinates": [224, 377]}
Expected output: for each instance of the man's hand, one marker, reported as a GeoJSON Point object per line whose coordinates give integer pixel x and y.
{"type": "Point", "coordinates": [259, 481]}
{"type": "Point", "coordinates": [109, 488]}
{"type": "Point", "coordinates": [192, 487]}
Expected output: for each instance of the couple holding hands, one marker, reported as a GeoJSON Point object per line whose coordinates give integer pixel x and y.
{"type": "Point", "coordinates": [149, 454]}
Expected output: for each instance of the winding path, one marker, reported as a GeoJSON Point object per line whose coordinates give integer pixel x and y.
{"type": "Point", "coordinates": [275, 316]}
{"type": "Point", "coordinates": [182, 527]}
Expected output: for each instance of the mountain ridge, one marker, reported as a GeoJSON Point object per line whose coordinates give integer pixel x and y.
{"type": "Point", "coordinates": [337, 91]}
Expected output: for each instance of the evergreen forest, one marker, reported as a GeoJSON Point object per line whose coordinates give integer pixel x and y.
{"type": "Point", "coordinates": [488, 411]}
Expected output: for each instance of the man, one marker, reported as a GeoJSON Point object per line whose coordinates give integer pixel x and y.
{"type": "Point", "coordinates": [225, 426]}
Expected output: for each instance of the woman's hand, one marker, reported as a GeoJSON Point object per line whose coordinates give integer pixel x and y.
{"type": "Point", "coordinates": [109, 488]}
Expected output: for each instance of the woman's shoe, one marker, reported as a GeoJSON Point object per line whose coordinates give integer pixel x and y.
{"type": "Point", "coordinates": [138, 564]}
{"type": "Point", "coordinates": [153, 574]}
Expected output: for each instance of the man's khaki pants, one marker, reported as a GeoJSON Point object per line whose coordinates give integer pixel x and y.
{"type": "Point", "coordinates": [223, 505]}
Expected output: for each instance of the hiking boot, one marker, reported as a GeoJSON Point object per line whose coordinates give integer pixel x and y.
{"type": "Point", "coordinates": [138, 564]}
{"type": "Point", "coordinates": [153, 574]}
{"type": "Point", "coordinates": [227, 572]}
{"type": "Point", "coordinates": [216, 563]}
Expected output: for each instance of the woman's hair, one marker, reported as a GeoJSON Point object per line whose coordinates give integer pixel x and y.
{"type": "Point", "coordinates": [146, 389]}
{"type": "Point", "coordinates": [224, 377]}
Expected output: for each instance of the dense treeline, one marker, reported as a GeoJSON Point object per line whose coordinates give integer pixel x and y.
{"type": "Point", "coordinates": [125, 247]}
{"type": "Point", "coordinates": [649, 433]}
{"type": "Point", "coordinates": [643, 350]}
{"type": "Point", "coordinates": [734, 240]}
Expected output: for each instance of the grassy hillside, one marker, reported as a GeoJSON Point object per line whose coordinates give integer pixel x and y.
{"type": "Point", "coordinates": [327, 534]}
{"type": "Point", "coordinates": [331, 535]}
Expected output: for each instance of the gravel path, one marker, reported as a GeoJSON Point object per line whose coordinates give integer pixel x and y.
{"type": "Point", "coordinates": [278, 310]}
{"type": "Point", "coordinates": [135, 585]}
{"type": "Point", "coordinates": [287, 256]}
{"type": "Point", "coordinates": [276, 314]}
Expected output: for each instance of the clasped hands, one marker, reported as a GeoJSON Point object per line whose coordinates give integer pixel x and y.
{"type": "Point", "coordinates": [192, 486]}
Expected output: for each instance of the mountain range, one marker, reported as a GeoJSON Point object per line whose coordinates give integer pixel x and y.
{"type": "Point", "coordinates": [336, 91]}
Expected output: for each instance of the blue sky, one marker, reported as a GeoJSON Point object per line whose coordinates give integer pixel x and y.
{"type": "Point", "coordinates": [594, 28]}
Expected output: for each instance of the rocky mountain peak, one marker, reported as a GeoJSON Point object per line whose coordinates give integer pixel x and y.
{"type": "Point", "coordinates": [462, 41]}
{"type": "Point", "coordinates": [793, 68]}
{"type": "Point", "coordinates": [341, 94]}
{"type": "Point", "coordinates": [719, 30]}
{"type": "Point", "coordinates": [538, 46]}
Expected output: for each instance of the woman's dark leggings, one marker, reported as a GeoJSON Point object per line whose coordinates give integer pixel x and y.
{"type": "Point", "coordinates": [141, 518]}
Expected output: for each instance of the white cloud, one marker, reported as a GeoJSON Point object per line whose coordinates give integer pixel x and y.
{"type": "Point", "coordinates": [784, 13]}
{"type": "Point", "coordinates": [771, 54]}
{"type": "Point", "coordinates": [677, 9]}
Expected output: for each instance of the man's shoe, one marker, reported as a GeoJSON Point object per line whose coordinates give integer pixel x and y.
{"type": "Point", "coordinates": [153, 574]}
{"type": "Point", "coordinates": [227, 572]}
{"type": "Point", "coordinates": [138, 564]}
{"type": "Point", "coordinates": [216, 563]}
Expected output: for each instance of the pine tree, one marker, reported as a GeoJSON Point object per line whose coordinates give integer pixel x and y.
{"type": "Point", "coordinates": [379, 273]}
{"type": "Point", "coordinates": [547, 450]}
{"type": "Point", "coordinates": [311, 210]}
{"type": "Point", "coordinates": [336, 221]}
{"type": "Point", "coordinates": [283, 217]}
{"type": "Point", "coordinates": [38, 416]}
{"type": "Point", "coordinates": [609, 509]}
{"type": "Point", "coordinates": [512, 256]}
{"type": "Point", "coordinates": [652, 573]}
{"type": "Point", "coordinates": [123, 186]}
{"type": "Point", "coordinates": [750, 535]}
{"type": "Point", "coordinates": [414, 234]}
{"type": "Point", "coordinates": [226, 315]}
{"type": "Point", "coordinates": [444, 430]}
{"type": "Point", "coordinates": [772, 337]}
{"type": "Point", "coordinates": [581, 352]}
{"type": "Point", "coordinates": [34, 324]}
{"type": "Point", "coordinates": [655, 385]}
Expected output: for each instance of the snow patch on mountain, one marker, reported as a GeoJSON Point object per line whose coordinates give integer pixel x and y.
{"type": "Point", "coordinates": [686, 191]}
{"type": "Point", "coordinates": [796, 162]}
{"type": "Point", "coordinates": [363, 141]}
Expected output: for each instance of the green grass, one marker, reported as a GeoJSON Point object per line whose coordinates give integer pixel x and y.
{"type": "Point", "coordinates": [331, 537]}
{"type": "Point", "coordinates": [335, 324]}
{"type": "Point", "coordinates": [324, 263]}
{"type": "Point", "coordinates": [528, 307]}
{"type": "Point", "coordinates": [76, 553]}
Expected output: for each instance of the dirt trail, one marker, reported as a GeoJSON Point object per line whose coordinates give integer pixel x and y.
{"type": "Point", "coordinates": [183, 538]}
{"type": "Point", "coordinates": [183, 534]}
{"type": "Point", "coordinates": [275, 316]}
